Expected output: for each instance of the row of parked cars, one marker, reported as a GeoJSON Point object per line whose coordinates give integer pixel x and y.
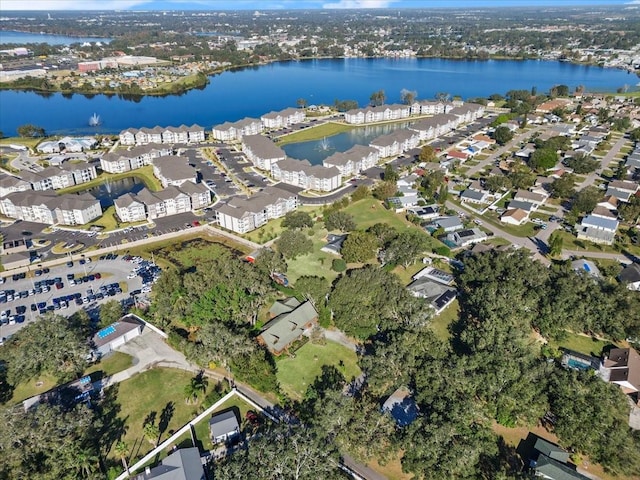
{"type": "Point", "coordinates": [145, 269]}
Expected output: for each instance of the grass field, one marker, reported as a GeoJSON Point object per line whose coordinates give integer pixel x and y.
{"type": "Point", "coordinates": [145, 396]}
{"type": "Point", "coordinates": [315, 263]}
{"type": "Point", "coordinates": [145, 174]}
{"type": "Point", "coordinates": [27, 142]}
{"type": "Point", "coordinates": [440, 323]}
{"type": "Point", "coordinates": [296, 374]}
{"type": "Point", "coordinates": [369, 211]}
{"type": "Point", "coordinates": [33, 387]}
{"type": "Point", "coordinates": [113, 363]}
{"type": "Point", "coordinates": [582, 344]}
{"type": "Point", "coordinates": [315, 133]}
{"type": "Point", "coordinates": [189, 253]}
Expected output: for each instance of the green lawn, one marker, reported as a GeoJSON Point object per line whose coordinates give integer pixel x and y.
{"type": "Point", "coordinates": [146, 395]}
{"type": "Point", "coordinates": [582, 343]}
{"type": "Point", "coordinates": [145, 174]}
{"type": "Point", "coordinates": [369, 211]}
{"type": "Point", "coordinates": [296, 374]}
{"type": "Point", "coordinates": [113, 363]}
{"type": "Point", "coordinates": [32, 387]}
{"type": "Point", "coordinates": [27, 142]}
{"type": "Point", "coordinates": [440, 323]}
{"type": "Point", "coordinates": [315, 133]}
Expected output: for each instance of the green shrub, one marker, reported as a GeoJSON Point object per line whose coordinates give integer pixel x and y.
{"type": "Point", "coordinates": [338, 265]}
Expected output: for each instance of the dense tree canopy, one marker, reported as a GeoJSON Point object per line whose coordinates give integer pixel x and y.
{"type": "Point", "coordinates": [292, 244]}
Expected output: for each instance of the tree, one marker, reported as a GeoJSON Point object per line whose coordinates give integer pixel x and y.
{"type": "Point", "coordinates": [635, 134]}
{"type": "Point", "coordinates": [407, 97]}
{"type": "Point", "coordinates": [110, 312]}
{"type": "Point", "coordinates": [503, 135]}
{"type": "Point", "coordinates": [313, 288]}
{"type": "Point", "coordinates": [563, 187]}
{"type": "Point", "coordinates": [269, 262]}
{"type": "Point", "coordinates": [555, 244]}
{"type": "Point", "coordinates": [582, 163]}
{"type": "Point", "coordinates": [293, 243]}
{"type": "Point", "coordinates": [340, 221]}
{"type": "Point", "coordinates": [361, 192]}
{"type": "Point", "coordinates": [29, 130]}
{"type": "Point", "coordinates": [384, 190]}
{"type": "Point", "coordinates": [297, 219]}
{"type": "Point", "coordinates": [196, 386]}
{"type": "Point", "coordinates": [359, 247]}
{"type": "Point", "coordinates": [495, 183]}
{"type": "Point", "coordinates": [559, 91]}
{"type": "Point", "coordinates": [431, 183]}
{"type": "Point", "coordinates": [152, 433]}
{"type": "Point", "coordinates": [55, 345]}
{"type": "Point", "coordinates": [122, 451]}
{"type": "Point", "coordinates": [406, 248]}
{"type": "Point", "coordinates": [378, 98]}
{"type": "Point", "coordinates": [302, 103]}
{"type": "Point", "coordinates": [543, 159]}
{"type": "Point", "coordinates": [427, 154]}
{"type": "Point", "coordinates": [587, 199]}
{"type": "Point", "coordinates": [443, 194]}
{"type": "Point", "coordinates": [621, 171]}
{"type": "Point", "coordinates": [630, 211]}
{"type": "Point", "coordinates": [390, 173]}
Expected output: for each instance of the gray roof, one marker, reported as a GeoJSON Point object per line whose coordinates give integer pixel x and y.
{"type": "Point", "coordinates": [115, 330]}
{"type": "Point", "coordinates": [389, 139]}
{"type": "Point", "coordinates": [619, 194]}
{"type": "Point", "coordinates": [600, 222]}
{"type": "Point", "coordinates": [238, 207]}
{"type": "Point", "coordinates": [598, 234]}
{"type": "Point", "coordinates": [472, 195]}
{"type": "Point", "coordinates": [8, 181]}
{"type": "Point", "coordinates": [551, 450]}
{"type": "Point", "coordinates": [224, 423]}
{"type": "Point", "coordinates": [287, 327]}
{"type": "Point", "coordinates": [448, 222]}
{"type": "Point", "coordinates": [175, 168]}
{"type": "Point", "coordinates": [125, 201]}
{"type": "Point", "coordinates": [630, 273]}
{"type": "Point", "coordinates": [550, 468]}
{"type": "Point", "coordinates": [183, 464]}
{"type": "Point", "coordinates": [401, 406]}
{"type": "Point", "coordinates": [262, 147]}
{"type": "Point", "coordinates": [526, 206]}
{"type": "Point", "coordinates": [432, 291]}
{"type": "Point", "coordinates": [284, 306]}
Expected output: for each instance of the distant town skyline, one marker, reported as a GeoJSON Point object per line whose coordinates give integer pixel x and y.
{"type": "Point", "coordinates": [59, 5]}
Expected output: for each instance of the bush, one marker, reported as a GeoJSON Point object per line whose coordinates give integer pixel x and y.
{"type": "Point", "coordinates": [338, 265]}
{"type": "Point", "coordinates": [444, 251]}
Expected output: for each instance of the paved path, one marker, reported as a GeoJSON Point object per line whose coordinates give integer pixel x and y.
{"type": "Point", "coordinates": [604, 164]}
{"type": "Point", "coordinates": [604, 255]}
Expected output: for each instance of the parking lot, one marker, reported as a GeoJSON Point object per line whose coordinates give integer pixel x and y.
{"type": "Point", "coordinates": [71, 287]}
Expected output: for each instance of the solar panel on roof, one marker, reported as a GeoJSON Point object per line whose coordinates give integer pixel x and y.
{"type": "Point", "coordinates": [107, 331]}
{"type": "Point", "coordinates": [85, 380]}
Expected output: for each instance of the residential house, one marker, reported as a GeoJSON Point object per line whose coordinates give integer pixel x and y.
{"type": "Point", "coordinates": [473, 196]}
{"type": "Point", "coordinates": [261, 151]}
{"type": "Point", "coordinates": [609, 202]}
{"type": "Point", "coordinates": [622, 189]}
{"type": "Point", "coordinates": [436, 275]}
{"type": "Point", "coordinates": [438, 295]}
{"type": "Point", "coordinates": [129, 208]}
{"type": "Point", "coordinates": [302, 174]}
{"type": "Point", "coordinates": [173, 170]}
{"type": "Point", "coordinates": [551, 462]}
{"type": "Point", "coordinates": [244, 214]}
{"type": "Point", "coordinates": [334, 243]}
{"type": "Point", "coordinates": [603, 212]}
{"type": "Point", "coordinates": [401, 406]}
{"type": "Point", "coordinates": [457, 155]}
{"type": "Point", "coordinates": [514, 216]}
{"type": "Point", "coordinates": [428, 212]}
{"type": "Point", "coordinates": [531, 197]}
{"type": "Point", "coordinates": [526, 206]}
{"type": "Point", "coordinates": [288, 326]}
{"type": "Point", "coordinates": [467, 237]}
{"type": "Point", "coordinates": [449, 224]}
{"type": "Point", "coordinates": [622, 367]}
{"type": "Point", "coordinates": [597, 229]}
{"type": "Point", "coordinates": [182, 464]}
{"type": "Point", "coordinates": [630, 276]}
{"type": "Point", "coordinates": [224, 427]}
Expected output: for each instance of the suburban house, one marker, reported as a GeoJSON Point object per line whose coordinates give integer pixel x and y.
{"type": "Point", "coordinates": [291, 319]}
{"type": "Point", "coordinates": [597, 229]}
{"type": "Point", "coordinates": [242, 215]}
{"type": "Point", "coordinates": [261, 151]}
{"type": "Point", "coordinates": [526, 196]}
{"type": "Point", "coordinates": [395, 143]}
{"type": "Point", "coordinates": [549, 461]}
{"type": "Point", "coordinates": [630, 276]}
{"type": "Point", "coordinates": [439, 295]}
{"type": "Point", "coordinates": [224, 427]}
{"type": "Point", "coordinates": [50, 208]}
{"type": "Point", "coordinates": [115, 335]}
{"type": "Point", "coordinates": [401, 406]}
{"type": "Point", "coordinates": [457, 155]}
{"type": "Point", "coordinates": [467, 237]}
{"type": "Point", "coordinates": [514, 216]}
{"type": "Point", "coordinates": [622, 367]}
{"type": "Point", "coordinates": [473, 196]}
{"type": "Point", "coordinates": [435, 274]}
{"type": "Point", "coordinates": [174, 170]}
{"type": "Point", "coordinates": [449, 224]}
{"type": "Point", "coordinates": [182, 464]}
{"type": "Point", "coordinates": [609, 202]}
{"type": "Point", "coordinates": [428, 212]}
{"type": "Point", "coordinates": [622, 189]}
{"type": "Point", "coordinates": [526, 206]}
{"type": "Point", "coordinates": [283, 118]}
{"type": "Point", "coordinates": [310, 177]}
{"type": "Point", "coordinates": [354, 160]}
{"type": "Point", "coordinates": [603, 212]}
{"type": "Point", "coordinates": [334, 243]}
{"type": "Point", "coordinates": [230, 131]}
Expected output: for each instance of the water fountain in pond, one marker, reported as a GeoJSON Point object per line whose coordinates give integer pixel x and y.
{"type": "Point", "coordinates": [95, 120]}
{"type": "Point", "coordinates": [325, 145]}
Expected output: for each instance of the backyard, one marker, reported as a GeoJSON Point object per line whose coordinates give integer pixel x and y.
{"type": "Point", "coordinates": [297, 372]}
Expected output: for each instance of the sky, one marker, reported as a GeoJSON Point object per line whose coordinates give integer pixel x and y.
{"type": "Point", "coordinates": [52, 5]}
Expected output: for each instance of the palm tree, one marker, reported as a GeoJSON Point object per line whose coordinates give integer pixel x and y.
{"type": "Point", "coordinates": [86, 463]}
{"type": "Point", "coordinates": [190, 392]}
{"type": "Point", "coordinates": [152, 433]}
{"type": "Point", "coordinates": [122, 450]}
{"type": "Point", "coordinates": [195, 387]}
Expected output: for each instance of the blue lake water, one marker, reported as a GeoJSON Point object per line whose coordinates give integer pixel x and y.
{"type": "Point", "coordinates": [254, 91]}
{"type": "Point", "coordinates": [108, 191]}
{"type": "Point", "coordinates": [317, 150]}
{"type": "Point", "coordinates": [9, 36]}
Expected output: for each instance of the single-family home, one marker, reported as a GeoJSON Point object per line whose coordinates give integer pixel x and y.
{"type": "Point", "coordinates": [401, 406]}
{"type": "Point", "coordinates": [630, 276]}
{"type": "Point", "coordinates": [182, 464]}
{"type": "Point", "coordinates": [427, 212]}
{"type": "Point", "coordinates": [622, 367]}
{"type": "Point", "coordinates": [449, 224]}
{"type": "Point", "coordinates": [514, 216]}
{"type": "Point", "coordinates": [334, 243]}
{"type": "Point", "coordinates": [224, 427]}
{"type": "Point", "coordinates": [622, 189]}
{"type": "Point", "coordinates": [435, 274]}
{"type": "Point", "coordinates": [261, 151]}
{"type": "Point", "coordinates": [597, 229]}
{"type": "Point", "coordinates": [531, 197]}
{"type": "Point", "coordinates": [438, 295]}
{"type": "Point", "coordinates": [473, 196]}
{"type": "Point", "coordinates": [549, 461]}
{"type": "Point", "coordinates": [467, 237]}
{"type": "Point", "coordinates": [609, 202]}
{"type": "Point", "coordinates": [288, 326]}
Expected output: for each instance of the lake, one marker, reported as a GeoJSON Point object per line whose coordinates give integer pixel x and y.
{"type": "Point", "coordinates": [108, 191]}
{"type": "Point", "coordinates": [22, 38]}
{"type": "Point", "coordinates": [317, 150]}
{"type": "Point", "coordinates": [254, 91]}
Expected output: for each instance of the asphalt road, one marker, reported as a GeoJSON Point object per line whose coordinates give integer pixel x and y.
{"type": "Point", "coordinates": [111, 271]}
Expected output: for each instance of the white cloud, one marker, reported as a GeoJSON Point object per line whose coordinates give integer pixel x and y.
{"type": "Point", "coordinates": [50, 5]}
{"type": "Point", "coordinates": [359, 4]}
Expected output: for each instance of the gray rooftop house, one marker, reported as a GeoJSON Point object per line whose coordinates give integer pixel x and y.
{"type": "Point", "coordinates": [183, 464]}
{"type": "Point", "coordinates": [224, 426]}
{"type": "Point", "coordinates": [288, 326]}
{"type": "Point", "coordinates": [526, 206]}
{"type": "Point", "coordinates": [449, 224]}
{"type": "Point", "coordinates": [438, 295]}
{"type": "Point", "coordinates": [551, 462]}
